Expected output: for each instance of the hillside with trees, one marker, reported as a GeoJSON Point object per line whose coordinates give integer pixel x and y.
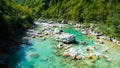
{"type": "Point", "coordinates": [104, 13]}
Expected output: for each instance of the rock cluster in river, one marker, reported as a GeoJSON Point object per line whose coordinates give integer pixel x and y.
{"type": "Point", "coordinates": [65, 40]}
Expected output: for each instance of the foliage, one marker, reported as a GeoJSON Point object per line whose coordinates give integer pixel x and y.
{"type": "Point", "coordinates": [14, 19]}
{"type": "Point", "coordinates": [100, 12]}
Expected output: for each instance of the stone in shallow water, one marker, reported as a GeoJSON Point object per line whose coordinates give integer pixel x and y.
{"type": "Point", "coordinates": [82, 42]}
{"type": "Point", "coordinates": [92, 57]}
{"type": "Point", "coordinates": [79, 57]}
{"type": "Point", "coordinates": [70, 52]}
{"type": "Point", "coordinates": [34, 55]}
{"type": "Point", "coordinates": [60, 45]}
{"type": "Point", "coordinates": [44, 59]}
{"type": "Point", "coordinates": [67, 38]}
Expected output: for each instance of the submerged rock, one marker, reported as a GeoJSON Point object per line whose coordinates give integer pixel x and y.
{"type": "Point", "coordinates": [67, 38]}
{"type": "Point", "coordinates": [44, 59]}
{"type": "Point", "coordinates": [83, 42]}
{"type": "Point", "coordinates": [34, 55]}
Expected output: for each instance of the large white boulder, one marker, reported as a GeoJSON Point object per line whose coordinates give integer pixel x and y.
{"type": "Point", "coordinates": [67, 38]}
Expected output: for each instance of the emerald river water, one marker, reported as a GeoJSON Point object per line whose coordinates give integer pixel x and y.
{"type": "Point", "coordinates": [40, 54]}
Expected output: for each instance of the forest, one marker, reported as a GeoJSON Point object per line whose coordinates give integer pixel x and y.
{"type": "Point", "coordinates": [104, 13]}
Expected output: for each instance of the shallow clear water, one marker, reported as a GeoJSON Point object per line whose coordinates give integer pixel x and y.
{"type": "Point", "coordinates": [40, 54]}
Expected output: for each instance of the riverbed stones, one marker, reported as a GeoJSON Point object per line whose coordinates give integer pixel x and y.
{"type": "Point", "coordinates": [118, 42]}
{"type": "Point", "coordinates": [92, 56]}
{"type": "Point", "coordinates": [77, 25]}
{"type": "Point", "coordinates": [84, 32]}
{"type": "Point", "coordinates": [60, 45]}
{"type": "Point", "coordinates": [87, 49]}
{"type": "Point", "coordinates": [62, 21]}
{"type": "Point", "coordinates": [105, 50]}
{"type": "Point", "coordinates": [79, 57]}
{"type": "Point", "coordinates": [57, 31]}
{"type": "Point", "coordinates": [82, 42]}
{"type": "Point", "coordinates": [47, 32]}
{"type": "Point", "coordinates": [67, 46]}
{"type": "Point", "coordinates": [51, 22]}
{"type": "Point", "coordinates": [104, 57]}
{"type": "Point", "coordinates": [67, 38]}
{"type": "Point", "coordinates": [101, 42]}
{"type": "Point", "coordinates": [71, 53]}
{"type": "Point", "coordinates": [65, 53]}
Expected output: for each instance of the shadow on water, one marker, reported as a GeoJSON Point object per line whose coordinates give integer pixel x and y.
{"type": "Point", "coordinates": [19, 55]}
{"type": "Point", "coordinates": [10, 43]}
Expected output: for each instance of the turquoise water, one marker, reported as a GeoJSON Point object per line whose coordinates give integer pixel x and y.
{"type": "Point", "coordinates": [40, 54]}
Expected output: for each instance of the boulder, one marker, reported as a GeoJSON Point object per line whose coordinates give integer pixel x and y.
{"type": "Point", "coordinates": [66, 53]}
{"type": "Point", "coordinates": [47, 32]}
{"type": "Point", "coordinates": [114, 40]}
{"type": "Point", "coordinates": [83, 42]}
{"type": "Point", "coordinates": [77, 25]}
{"type": "Point", "coordinates": [101, 42]}
{"type": "Point", "coordinates": [51, 22]}
{"type": "Point", "coordinates": [46, 28]}
{"type": "Point", "coordinates": [37, 23]}
{"type": "Point", "coordinates": [67, 38]}
{"type": "Point", "coordinates": [72, 53]}
{"type": "Point", "coordinates": [57, 31]}
{"type": "Point", "coordinates": [63, 21]}
{"type": "Point", "coordinates": [78, 57]}
{"type": "Point", "coordinates": [60, 45]}
{"type": "Point", "coordinates": [84, 33]}
{"type": "Point", "coordinates": [34, 55]}
{"type": "Point", "coordinates": [118, 42]}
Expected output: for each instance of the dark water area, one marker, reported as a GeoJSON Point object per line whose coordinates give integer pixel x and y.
{"type": "Point", "coordinates": [9, 44]}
